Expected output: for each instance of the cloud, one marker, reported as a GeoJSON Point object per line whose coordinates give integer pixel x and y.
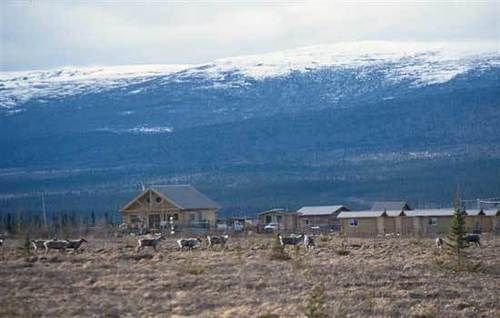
{"type": "Point", "coordinates": [49, 34]}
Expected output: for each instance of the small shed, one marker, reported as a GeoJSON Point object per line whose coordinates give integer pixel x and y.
{"type": "Point", "coordinates": [431, 221]}
{"type": "Point", "coordinates": [475, 221]}
{"type": "Point", "coordinates": [490, 220]}
{"type": "Point", "coordinates": [281, 219]}
{"type": "Point", "coordinates": [361, 223]}
{"type": "Point", "coordinates": [320, 217]}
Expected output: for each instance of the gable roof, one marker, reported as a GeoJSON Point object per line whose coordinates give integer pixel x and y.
{"type": "Point", "coordinates": [361, 214]}
{"type": "Point", "coordinates": [431, 212]}
{"type": "Point", "coordinates": [390, 206]}
{"type": "Point", "coordinates": [474, 212]}
{"type": "Point", "coordinates": [182, 196]}
{"type": "Point", "coordinates": [277, 211]}
{"type": "Point", "coordinates": [321, 210]}
{"type": "Point", "coordinates": [185, 196]}
{"type": "Point", "coordinates": [491, 212]}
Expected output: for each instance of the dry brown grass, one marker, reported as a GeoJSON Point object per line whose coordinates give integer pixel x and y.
{"type": "Point", "coordinates": [378, 277]}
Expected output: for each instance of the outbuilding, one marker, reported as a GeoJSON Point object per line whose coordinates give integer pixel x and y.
{"type": "Point", "coordinates": [277, 220]}
{"type": "Point", "coordinates": [320, 217]}
{"type": "Point", "coordinates": [431, 221]}
{"type": "Point", "coordinates": [361, 223]}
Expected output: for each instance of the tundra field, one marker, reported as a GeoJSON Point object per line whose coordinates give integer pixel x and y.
{"type": "Point", "coordinates": [396, 277]}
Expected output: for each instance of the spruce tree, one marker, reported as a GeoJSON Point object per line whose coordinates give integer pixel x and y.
{"type": "Point", "coordinates": [456, 236]}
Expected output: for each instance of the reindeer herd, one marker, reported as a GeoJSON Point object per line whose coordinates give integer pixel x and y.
{"type": "Point", "coordinates": [211, 241]}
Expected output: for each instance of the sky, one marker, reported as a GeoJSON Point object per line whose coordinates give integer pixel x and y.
{"type": "Point", "coordinates": [36, 34]}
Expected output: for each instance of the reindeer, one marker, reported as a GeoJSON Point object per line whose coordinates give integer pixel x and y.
{"type": "Point", "coordinates": [189, 243]}
{"type": "Point", "coordinates": [55, 245]}
{"type": "Point", "coordinates": [309, 242]}
{"type": "Point", "coordinates": [154, 242]}
{"type": "Point", "coordinates": [439, 243]}
{"type": "Point", "coordinates": [293, 239]}
{"type": "Point", "coordinates": [214, 240]}
{"type": "Point", "coordinates": [473, 238]}
{"type": "Point", "coordinates": [75, 244]}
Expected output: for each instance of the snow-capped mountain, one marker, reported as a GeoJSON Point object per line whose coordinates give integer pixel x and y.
{"type": "Point", "coordinates": [321, 125]}
{"type": "Point", "coordinates": [420, 63]}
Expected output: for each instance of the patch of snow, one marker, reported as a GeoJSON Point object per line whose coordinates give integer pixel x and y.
{"type": "Point", "coordinates": [139, 130]}
{"type": "Point", "coordinates": [127, 112]}
{"type": "Point", "coordinates": [151, 130]}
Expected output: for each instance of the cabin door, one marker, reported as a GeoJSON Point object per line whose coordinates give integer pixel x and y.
{"type": "Point", "coordinates": [154, 221]}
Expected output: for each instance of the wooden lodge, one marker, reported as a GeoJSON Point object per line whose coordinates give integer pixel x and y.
{"type": "Point", "coordinates": [156, 206]}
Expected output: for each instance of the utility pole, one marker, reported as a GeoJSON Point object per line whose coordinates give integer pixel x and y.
{"type": "Point", "coordinates": [44, 212]}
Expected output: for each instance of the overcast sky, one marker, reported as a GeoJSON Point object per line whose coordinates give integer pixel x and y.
{"type": "Point", "coordinates": [46, 34]}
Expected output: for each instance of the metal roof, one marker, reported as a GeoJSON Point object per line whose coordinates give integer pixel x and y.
{"type": "Point", "coordinates": [186, 196]}
{"type": "Point", "coordinates": [390, 206]}
{"type": "Point", "coordinates": [473, 212]}
{"type": "Point", "coordinates": [320, 210]}
{"type": "Point", "coordinates": [395, 213]}
{"type": "Point", "coordinates": [430, 212]}
{"type": "Point", "coordinates": [360, 214]}
{"type": "Point", "coordinates": [276, 210]}
{"type": "Point", "coordinates": [491, 212]}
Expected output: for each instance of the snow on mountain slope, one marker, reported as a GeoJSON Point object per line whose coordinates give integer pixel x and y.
{"type": "Point", "coordinates": [428, 63]}
{"type": "Point", "coordinates": [17, 87]}
{"type": "Point", "coordinates": [421, 63]}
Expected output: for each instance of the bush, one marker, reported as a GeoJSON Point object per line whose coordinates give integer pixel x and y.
{"type": "Point", "coordinates": [342, 252]}
{"type": "Point", "coordinates": [278, 251]}
{"type": "Point", "coordinates": [315, 307]}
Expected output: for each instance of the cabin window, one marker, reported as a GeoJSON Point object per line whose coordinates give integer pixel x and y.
{"type": "Point", "coordinates": [268, 219]}
{"type": "Point", "coordinates": [433, 221]}
{"type": "Point", "coordinates": [154, 221]}
{"type": "Point", "coordinates": [134, 218]}
{"type": "Point", "coordinates": [175, 217]}
{"type": "Point", "coordinates": [353, 222]}
{"type": "Point", "coordinates": [158, 199]}
{"type": "Point", "coordinates": [306, 222]}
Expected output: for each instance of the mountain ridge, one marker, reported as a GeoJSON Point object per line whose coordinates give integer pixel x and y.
{"type": "Point", "coordinates": [326, 135]}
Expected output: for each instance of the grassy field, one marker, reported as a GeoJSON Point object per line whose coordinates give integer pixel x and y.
{"type": "Point", "coordinates": [360, 277]}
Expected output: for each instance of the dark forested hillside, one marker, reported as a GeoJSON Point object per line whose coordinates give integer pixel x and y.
{"type": "Point", "coordinates": [284, 141]}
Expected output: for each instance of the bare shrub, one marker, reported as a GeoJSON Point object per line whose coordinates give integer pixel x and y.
{"type": "Point", "coordinates": [278, 251]}
{"type": "Point", "coordinates": [315, 307]}
{"type": "Point", "coordinates": [189, 267]}
{"type": "Point", "coordinates": [324, 238]}
{"type": "Point", "coordinates": [342, 252]}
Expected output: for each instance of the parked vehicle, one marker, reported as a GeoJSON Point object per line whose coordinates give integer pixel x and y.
{"type": "Point", "coordinates": [271, 227]}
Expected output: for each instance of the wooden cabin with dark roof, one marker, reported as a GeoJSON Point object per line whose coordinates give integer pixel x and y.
{"type": "Point", "coordinates": [154, 206]}
{"type": "Point", "coordinates": [320, 217]}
